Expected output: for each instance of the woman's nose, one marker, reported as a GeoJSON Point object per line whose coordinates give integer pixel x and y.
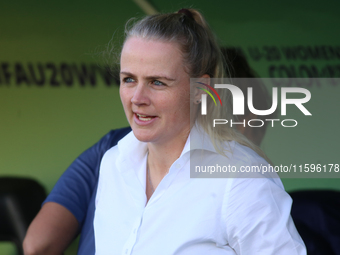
{"type": "Point", "coordinates": [140, 95]}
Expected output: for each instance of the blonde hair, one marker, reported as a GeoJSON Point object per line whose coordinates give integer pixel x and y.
{"type": "Point", "coordinates": [202, 55]}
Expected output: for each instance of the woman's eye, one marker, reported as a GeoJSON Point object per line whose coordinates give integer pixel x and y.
{"type": "Point", "coordinates": [128, 80]}
{"type": "Point", "coordinates": [158, 83]}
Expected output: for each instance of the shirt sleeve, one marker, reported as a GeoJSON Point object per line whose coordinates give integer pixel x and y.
{"type": "Point", "coordinates": [75, 187]}
{"type": "Point", "coordinates": [257, 216]}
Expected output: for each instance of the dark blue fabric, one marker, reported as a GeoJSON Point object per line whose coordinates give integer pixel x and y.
{"type": "Point", "coordinates": [76, 188]}
{"type": "Point", "coordinates": [316, 214]}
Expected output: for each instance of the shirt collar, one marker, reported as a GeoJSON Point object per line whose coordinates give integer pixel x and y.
{"type": "Point", "coordinates": [131, 147]}
{"type": "Point", "coordinates": [198, 139]}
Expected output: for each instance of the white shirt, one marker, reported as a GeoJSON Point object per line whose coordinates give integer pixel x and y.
{"type": "Point", "coordinates": [190, 216]}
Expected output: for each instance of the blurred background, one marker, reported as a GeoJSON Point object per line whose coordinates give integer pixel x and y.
{"type": "Point", "coordinates": [57, 99]}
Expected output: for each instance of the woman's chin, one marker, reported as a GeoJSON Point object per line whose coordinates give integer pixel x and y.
{"type": "Point", "coordinates": [143, 135]}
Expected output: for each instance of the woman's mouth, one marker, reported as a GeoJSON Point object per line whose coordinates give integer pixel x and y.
{"type": "Point", "coordinates": [144, 117]}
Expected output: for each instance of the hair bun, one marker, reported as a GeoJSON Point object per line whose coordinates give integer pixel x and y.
{"type": "Point", "coordinates": [187, 13]}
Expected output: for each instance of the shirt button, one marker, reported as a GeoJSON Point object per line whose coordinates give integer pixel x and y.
{"type": "Point", "coordinates": [178, 166]}
{"type": "Point", "coordinates": [134, 231]}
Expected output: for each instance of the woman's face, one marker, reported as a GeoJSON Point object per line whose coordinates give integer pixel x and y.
{"type": "Point", "coordinates": [155, 90]}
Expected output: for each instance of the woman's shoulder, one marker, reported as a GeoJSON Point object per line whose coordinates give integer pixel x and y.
{"type": "Point", "coordinates": [246, 162]}
{"type": "Point", "coordinates": [244, 153]}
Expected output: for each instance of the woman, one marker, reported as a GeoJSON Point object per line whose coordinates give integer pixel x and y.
{"type": "Point", "coordinates": [146, 201]}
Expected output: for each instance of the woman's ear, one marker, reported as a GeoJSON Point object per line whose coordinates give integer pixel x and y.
{"type": "Point", "coordinates": [198, 88]}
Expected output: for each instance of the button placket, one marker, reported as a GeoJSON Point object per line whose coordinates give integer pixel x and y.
{"type": "Point", "coordinates": [132, 238]}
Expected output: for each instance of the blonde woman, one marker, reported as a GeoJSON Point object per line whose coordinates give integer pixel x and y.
{"type": "Point", "coordinates": [146, 202]}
